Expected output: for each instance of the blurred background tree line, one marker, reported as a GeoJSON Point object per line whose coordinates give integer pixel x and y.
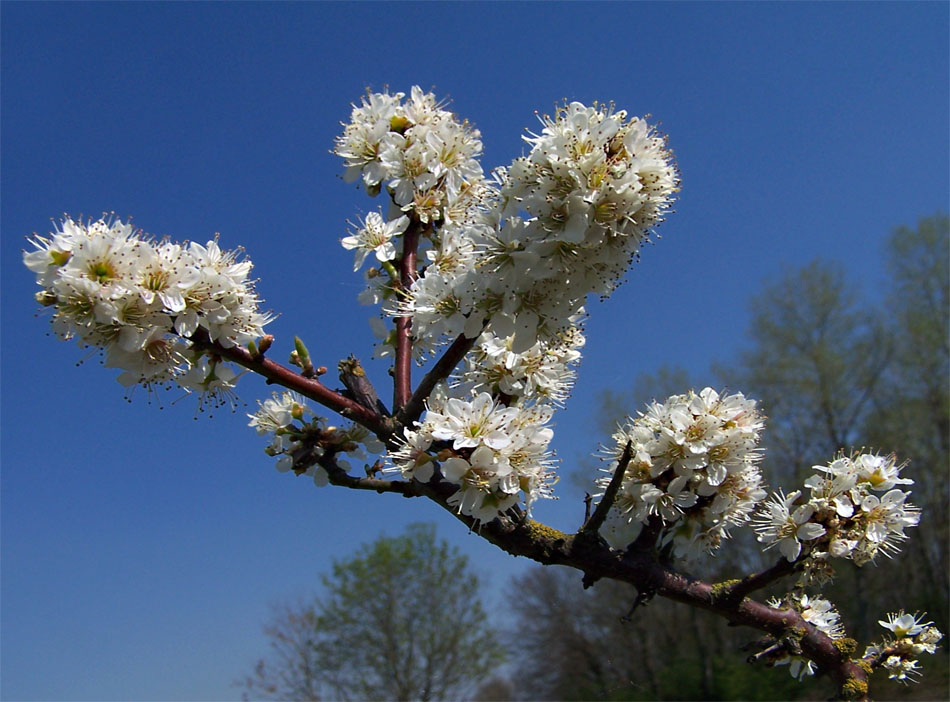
{"type": "Point", "coordinates": [832, 372]}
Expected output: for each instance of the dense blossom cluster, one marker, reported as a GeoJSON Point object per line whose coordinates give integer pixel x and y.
{"type": "Point", "coordinates": [140, 300]}
{"type": "Point", "coordinates": [909, 638]}
{"type": "Point", "coordinates": [510, 261]}
{"type": "Point", "coordinates": [300, 438]}
{"type": "Point", "coordinates": [854, 511]}
{"type": "Point", "coordinates": [692, 471]}
{"type": "Point", "coordinates": [426, 158]}
{"type": "Point", "coordinates": [572, 216]}
{"type": "Point", "coordinates": [497, 455]}
{"type": "Point", "coordinates": [427, 161]}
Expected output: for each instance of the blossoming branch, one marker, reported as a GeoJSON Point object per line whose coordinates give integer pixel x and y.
{"type": "Point", "coordinates": [486, 279]}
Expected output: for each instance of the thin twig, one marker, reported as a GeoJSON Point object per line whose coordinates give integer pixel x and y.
{"type": "Point", "coordinates": [757, 581]}
{"type": "Point", "coordinates": [610, 494]}
{"type": "Point", "coordinates": [402, 372]}
{"type": "Point", "coordinates": [308, 387]}
{"type": "Point", "coordinates": [338, 476]}
{"type": "Point", "coordinates": [643, 598]}
{"type": "Point", "coordinates": [412, 409]}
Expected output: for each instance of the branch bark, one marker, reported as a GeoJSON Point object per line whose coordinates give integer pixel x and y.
{"type": "Point", "coordinates": [640, 568]}
{"type": "Point", "coordinates": [413, 408]}
{"type": "Point", "coordinates": [757, 581]}
{"type": "Point", "coordinates": [402, 386]}
{"type": "Point", "coordinates": [610, 494]}
{"type": "Point", "coordinates": [308, 387]}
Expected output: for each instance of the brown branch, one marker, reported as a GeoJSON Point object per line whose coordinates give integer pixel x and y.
{"type": "Point", "coordinates": [402, 374]}
{"type": "Point", "coordinates": [308, 387]}
{"type": "Point", "coordinates": [610, 494]}
{"type": "Point", "coordinates": [640, 568]}
{"type": "Point", "coordinates": [358, 385]}
{"type": "Point", "coordinates": [412, 409]}
{"type": "Point", "coordinates": [338, 476]}
{"type": "Point", "coordinates": [739, 589]}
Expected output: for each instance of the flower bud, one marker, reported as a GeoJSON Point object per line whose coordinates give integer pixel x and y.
{"type": "Point", "coordinates": [46, 298]}
{"type": "Point", "coordinates": [302, 353]}
{"type": "Point", "coordinates": [399, 124]}
{"type": "Point", "coordinates": [265, 343]}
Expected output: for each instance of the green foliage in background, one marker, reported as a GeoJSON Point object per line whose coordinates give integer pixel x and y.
{"type": "Point", "coordinates": [400, 620]}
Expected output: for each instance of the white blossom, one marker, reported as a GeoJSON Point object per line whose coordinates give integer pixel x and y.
{"type": "Point", "coordinates": [845, 496]}
{"type": "Point", "coordinates": [903, 625]}
{"type": "Point", "coordinates": [909, 637]}
{"type": "Point", "coordinates": [375, 236]}
{"type": "Point", "coordinates": [780, 523]}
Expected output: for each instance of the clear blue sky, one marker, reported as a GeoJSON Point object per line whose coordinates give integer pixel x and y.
{"type": "Point", "coordinates": [141, 547]}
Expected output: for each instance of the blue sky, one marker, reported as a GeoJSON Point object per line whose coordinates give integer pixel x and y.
{"type": "Point", "coordinates": [141, 547]}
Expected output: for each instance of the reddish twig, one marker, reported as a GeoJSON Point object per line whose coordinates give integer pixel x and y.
{"type": "Point", "coordinates": [308, 387]}
{"type": "Point", "coordinates": [451, 357]}
{"type": "Point", "coordinates": [402, 374]}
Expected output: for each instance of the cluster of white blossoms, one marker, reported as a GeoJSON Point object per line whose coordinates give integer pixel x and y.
{"type": "Point", "coordinates": [427, 161]}
{"type": "Point", "coordinates": [909, 639]}
{"type": "Point", "coordinates": [692, 470]}
{"type": "Point", "coordinates": [497, 455]}
{"type": "Point", "coordinates": [139, 300]}
{"type": "Point", "coordinates": [569, 220]}
{"type": "Point", "coordinates": [854, 511]}
{"type": "Point", "coordinates": [421, 152]}
{"type": "Point", "coordinates": [300, 438]}
{"type": "Point", "coordinates": [818, 612]}
{"type": "Point", "coordinates": [519, 256]}
{"type": "Point", "coordinates": [510, 261]}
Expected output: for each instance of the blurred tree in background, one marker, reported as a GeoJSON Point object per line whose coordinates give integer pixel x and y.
{"type": "Point", "coordinates": [817, 356]}
{"type": "Point", "coordinates": [364, 637]}
{"type": "Point", "coordinates": [576, 644]}
{"type": "Point", "coordinates": [911, 411]}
